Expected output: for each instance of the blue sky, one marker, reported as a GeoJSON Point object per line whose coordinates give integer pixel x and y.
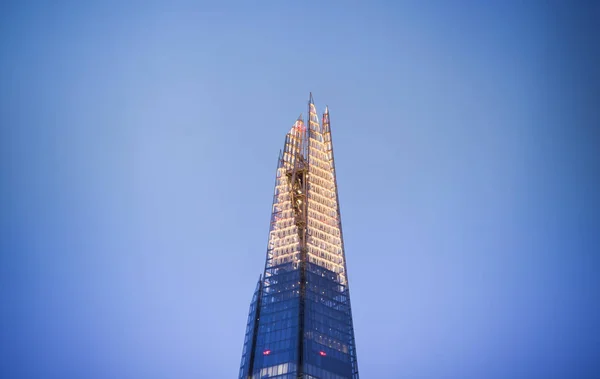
{"type": "Point", "coordinates": [138, 149]}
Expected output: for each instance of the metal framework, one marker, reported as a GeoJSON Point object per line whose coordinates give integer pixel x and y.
{"type": "Point", "coordinates": [300, 319]}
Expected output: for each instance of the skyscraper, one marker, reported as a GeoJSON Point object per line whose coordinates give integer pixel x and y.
{"type": "Point", "coordinates": [300, 320]}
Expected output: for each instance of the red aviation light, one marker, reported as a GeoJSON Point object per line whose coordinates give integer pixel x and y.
{"type": "Point", "coordinates": [322, 353]}
{"type": "Point", "coordinates": [267, 352]}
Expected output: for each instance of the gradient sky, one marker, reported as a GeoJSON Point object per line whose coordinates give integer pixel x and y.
{"type": "Point", "coordinates": [138, 149]}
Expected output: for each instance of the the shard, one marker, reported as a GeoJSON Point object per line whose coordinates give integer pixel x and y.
{"type": "Point", "coordinates": [300, 319]}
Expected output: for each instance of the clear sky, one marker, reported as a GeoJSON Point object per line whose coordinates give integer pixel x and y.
{"type": "Point", "coordinates": [138, 149]}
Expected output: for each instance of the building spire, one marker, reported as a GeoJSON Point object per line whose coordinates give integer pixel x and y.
{"type": "Point", "coordinates": [313, 119]}
{"type": "Point", "coordinates": [326, 120]}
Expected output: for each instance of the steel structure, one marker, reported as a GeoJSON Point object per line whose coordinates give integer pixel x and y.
{"type": "Point", "coordinates": [300, 319]}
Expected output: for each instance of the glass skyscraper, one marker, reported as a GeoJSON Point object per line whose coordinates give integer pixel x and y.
{"type": "Point", "coordinates": [300, 319]}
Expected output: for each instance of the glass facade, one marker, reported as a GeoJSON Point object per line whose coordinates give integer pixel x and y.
{"type": "Point", "coordinates": [250, 338]}
{"type": "Point", "coordinates": [300, 319]}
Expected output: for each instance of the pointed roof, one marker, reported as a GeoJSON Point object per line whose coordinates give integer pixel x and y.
{"type": "Point", "coordinates": [310, 100]}
{"type": "Point", "coordinates": [326, 126]}
{"type": "Point", "coordinates": [300, 118]}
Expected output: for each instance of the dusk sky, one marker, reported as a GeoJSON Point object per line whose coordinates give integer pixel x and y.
{"type": "Point", "coordinates": [138, 147]}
